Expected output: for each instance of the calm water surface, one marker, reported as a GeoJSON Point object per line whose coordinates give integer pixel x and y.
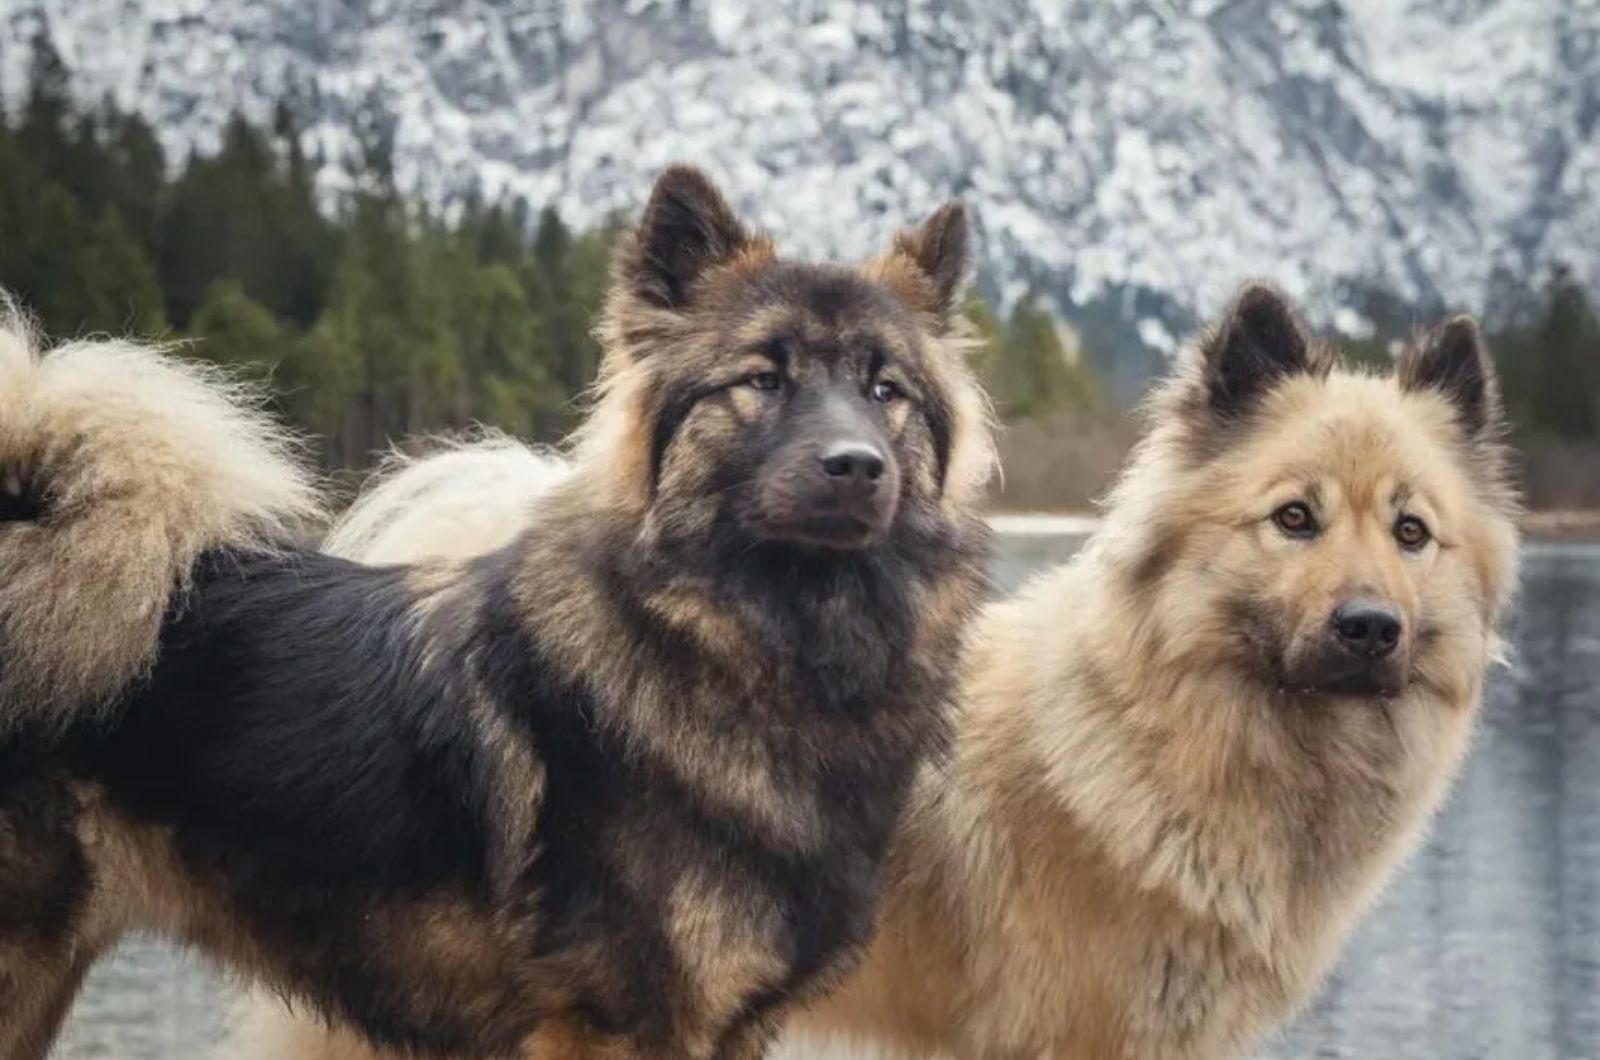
{"type": "Point", "coordinates": [1486, 948]}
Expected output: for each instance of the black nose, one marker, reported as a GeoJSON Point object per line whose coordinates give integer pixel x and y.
{"type": "Point", "coordinates": [1367, 627]}
{"type": "Point", "coordinates": [855, 463]}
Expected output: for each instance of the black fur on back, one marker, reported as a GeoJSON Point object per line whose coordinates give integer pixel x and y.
{"type": "Point", "coordinates": [307, 741]}
{"type": "Point", "coordinates": [292, 710]}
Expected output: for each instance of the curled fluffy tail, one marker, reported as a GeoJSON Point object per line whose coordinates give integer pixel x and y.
{"type": "Point", "coordinates": [119, 465]}
{"type": "Point", "coordinates": [462, 497]}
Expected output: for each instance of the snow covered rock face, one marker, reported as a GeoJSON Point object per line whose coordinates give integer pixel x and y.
{"type": "Point", "coordinates": [1132, 159]}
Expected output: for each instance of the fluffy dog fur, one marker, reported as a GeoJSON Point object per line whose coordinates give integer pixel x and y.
{"type": "Point", "coordinates": [1156, 830]}
{"type": "Point", "coordinates": [620, 788]}
{"type": "Point", "coordinates": [142, 462]}
{"type": "Point", "coordinates": [458, 498]}
{"type": "Point", "coordinates": [1158, 827]}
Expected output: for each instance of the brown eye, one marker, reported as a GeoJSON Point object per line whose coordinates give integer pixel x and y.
{"type": "Point", "coordinates": [764, 381]}
{"type": "Point", "coordinates": [886, 390]}
{"type": "Point", "coordinates": [1411, 532]}
{"type": "Point", "coordinates": [1295, 519]}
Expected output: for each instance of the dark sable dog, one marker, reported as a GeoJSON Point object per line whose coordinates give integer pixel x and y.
{"type": "Point", "coordinates": [620, 789]}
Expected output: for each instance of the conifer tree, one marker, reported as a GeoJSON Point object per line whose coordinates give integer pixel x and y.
{"type": "Point", "coordinates": [137, 176]}
{"type": "Point", "coordinates": [1554, 375]}
{"type": "Point", "coordinates": [234, 329]}
{"type": "Point", "coordinates": [117, 284]}
{"type": "Point", "coordinates": [42, 132]}
{"type": "Point", "coordinates": [1034, 373]}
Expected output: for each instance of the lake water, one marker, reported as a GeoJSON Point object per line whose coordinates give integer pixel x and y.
{"type": "Point", "coordinates": [1486, 948]}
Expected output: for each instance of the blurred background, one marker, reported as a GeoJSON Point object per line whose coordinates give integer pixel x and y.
{"type": "Point", "coordinates": [401, 208]}
{"type": "Point", "coordinates": [399, 211]}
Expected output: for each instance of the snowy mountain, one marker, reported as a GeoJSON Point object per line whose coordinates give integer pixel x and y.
{"type": "Point", "coordinates": [1132, 160]}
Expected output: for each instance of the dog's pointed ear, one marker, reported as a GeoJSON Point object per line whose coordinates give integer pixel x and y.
{"type": "Point", "coordinates": [1453, 361]}
{"type": "Point", "coordinates": [929, 265]}
{"type": "Point", "coordinates": [1259, 343]}
{"type": "Point", "coordinates": [687, 229]}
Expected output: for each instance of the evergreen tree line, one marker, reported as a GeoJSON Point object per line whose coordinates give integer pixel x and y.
{"type": "Point", "coordinates": [374, 320]}
{"type": "Point", "coordinates": [377, 319]}
{"type": "Point", "coordinates": [1548, 350]}
{"type": "Point", "coordinates": [1544, 335]}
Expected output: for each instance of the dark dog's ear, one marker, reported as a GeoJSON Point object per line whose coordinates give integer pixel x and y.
{"type": "Point", "coordinates": [687, 229]}
{"type": "Point", "coordinates": [1259, 343]}
{"type": "Point", "coordinates": [1452, 360]}
{"type": "Point", "coordinates": [928, 266]}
